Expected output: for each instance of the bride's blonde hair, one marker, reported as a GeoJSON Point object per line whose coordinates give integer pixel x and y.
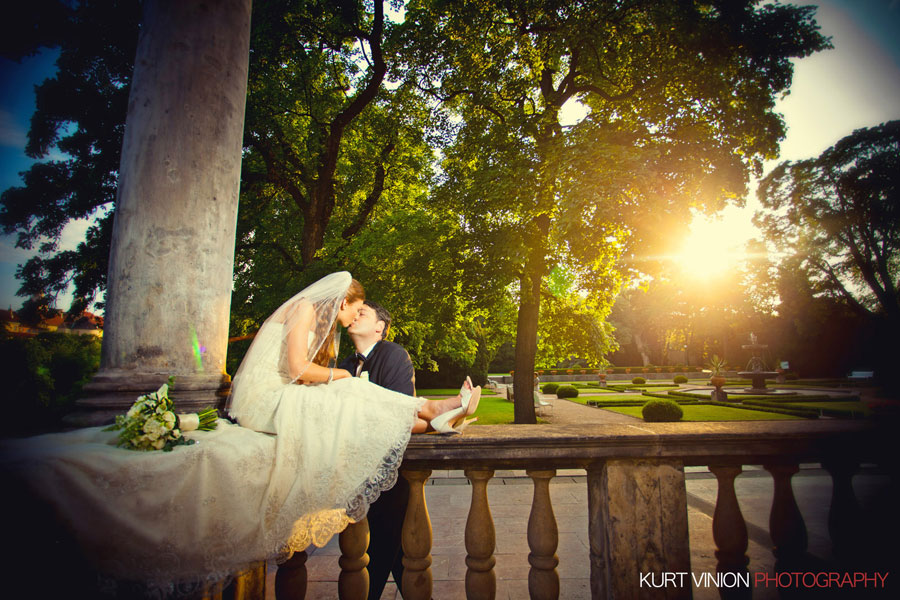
{"type": "Point", "coordinates": [326, 353]}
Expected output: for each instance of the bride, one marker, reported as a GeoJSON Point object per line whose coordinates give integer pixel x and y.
{"type": "Point", "coordinates": [175, 521]}
{"type": "Point", "coordinates": [297, 343]}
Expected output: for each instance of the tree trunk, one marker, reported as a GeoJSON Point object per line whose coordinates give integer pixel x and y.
{"type": "Point", "coordinates": [527, 325]}
{"type": "Point", "coordinates": [526, 348]}
{"type": "Point", "coordinates": [642, 349]}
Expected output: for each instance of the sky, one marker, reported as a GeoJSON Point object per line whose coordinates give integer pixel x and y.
{"type": "Point", "coordinates": [856, 84]}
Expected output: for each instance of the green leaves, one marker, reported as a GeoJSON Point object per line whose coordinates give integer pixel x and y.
{"type": "Point", "coordinates": [837, 216]}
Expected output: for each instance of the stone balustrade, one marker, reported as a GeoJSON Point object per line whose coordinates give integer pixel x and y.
{"type": "Point", "coordinates": [636, 501]}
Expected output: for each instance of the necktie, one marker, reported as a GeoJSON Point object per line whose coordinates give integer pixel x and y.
{"type": "Point", "coordinates": [360, 358]}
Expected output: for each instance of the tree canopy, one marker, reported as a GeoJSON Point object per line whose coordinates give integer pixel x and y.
{"type": "Point", "coordinates": [838, 217]}
{"type": "Point", "coordinates": [76, 134]}
{"type": "Point", "coordinates": [433, 149]}
{"type": "Point", "coordinates": [680, 109]}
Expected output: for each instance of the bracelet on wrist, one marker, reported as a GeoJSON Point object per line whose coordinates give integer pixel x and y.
{"type": "Point", "coordinates": [330, 375]}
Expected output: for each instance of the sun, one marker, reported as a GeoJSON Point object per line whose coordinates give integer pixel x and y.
{"type": "Point", "coordinates": [716, 244]}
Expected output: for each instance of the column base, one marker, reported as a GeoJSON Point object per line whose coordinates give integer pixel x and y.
{"type": "Point", "coordinates": [112, 393]}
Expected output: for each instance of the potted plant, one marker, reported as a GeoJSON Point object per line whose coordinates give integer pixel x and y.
{"type": "Point", "coordinates": [717, 371]}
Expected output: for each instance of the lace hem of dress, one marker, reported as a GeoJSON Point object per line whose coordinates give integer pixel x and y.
{"type": "Point", "coordinates": [318, 530]}
{"type": "Point", "coordinates": [315, 529]}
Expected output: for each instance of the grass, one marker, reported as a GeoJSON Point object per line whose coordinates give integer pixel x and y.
{"type": "Point", "coordinates": [496, 411]}
{"type": "Point", "coordinates": [836, 407]}
{"type": "Point", "coordinates": [430, 392]}
{"type": "Point", "coordinates": [608, 398]}
{"type": "Point", "coordinates": [710, 413]}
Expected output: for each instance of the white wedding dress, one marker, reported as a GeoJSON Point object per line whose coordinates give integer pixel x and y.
{"type": "Point", "coordinates": [307, 461]}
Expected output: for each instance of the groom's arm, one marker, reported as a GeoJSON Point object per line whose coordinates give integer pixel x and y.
{"type": "Point", "coordinates": [397, 372]}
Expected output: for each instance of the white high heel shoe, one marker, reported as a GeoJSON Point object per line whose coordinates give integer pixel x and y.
{"type": "Point", "coordinates": [454, 420]}
{"type": "Point", "coordinates": [465, 392]}
{"type": "Point", "coordinates": [444, 422]}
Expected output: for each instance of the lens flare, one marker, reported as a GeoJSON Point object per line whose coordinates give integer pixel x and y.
{"type": "Point", "coordinates": [198, 350]}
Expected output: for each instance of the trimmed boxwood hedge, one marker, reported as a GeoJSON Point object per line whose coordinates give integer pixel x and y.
{"type": "Point", "coordinates": [680, 379]}
{"type": "Point", "coordinates": [550, 388]}
{"type": "Point", "coordinates": [659, 410]}
{"type": "Point", "coordinates": [567, 391]}
{"type": "Point", "coordinates": [685, 398]}
{"type": "Point", "coordinates": [638, 380]}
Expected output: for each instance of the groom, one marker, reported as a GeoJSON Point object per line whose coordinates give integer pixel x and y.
{"type": "Point", "coordinates": [386, 364]}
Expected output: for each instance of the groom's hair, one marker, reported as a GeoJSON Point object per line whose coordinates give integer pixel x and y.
{"type": "Point", "coordinates": [381, 314]}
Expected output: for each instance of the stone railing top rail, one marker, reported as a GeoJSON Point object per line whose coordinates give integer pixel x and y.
{"type": "Point", "coordinates": [576, 446]}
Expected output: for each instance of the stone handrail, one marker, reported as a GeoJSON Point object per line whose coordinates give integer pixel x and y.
{"type": "Point", "coordinates": [636, 492]}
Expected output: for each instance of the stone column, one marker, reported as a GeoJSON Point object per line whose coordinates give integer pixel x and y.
{"type": "Point", "coordinates": [171, 262]}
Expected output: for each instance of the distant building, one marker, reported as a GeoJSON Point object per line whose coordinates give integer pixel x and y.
{"type": "Point", "coordinates": [85, 323]}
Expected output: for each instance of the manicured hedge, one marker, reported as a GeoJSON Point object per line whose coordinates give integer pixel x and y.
{"type": "Point", "coordinates": [567, 391]}
{"type": "Point", "coordinates": [550, 388]}
{"type": "Point", "coordinates": [661, 411]}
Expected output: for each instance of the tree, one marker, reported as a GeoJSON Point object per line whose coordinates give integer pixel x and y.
{"type": "Point", "coordinates": [76, 134]}
{"type": "Point", "coordinates": [680, 101]}
{"type": "Point", "coordinates": [315, 68]}
{"type": "Point", "coordinates": [838, 217]}
{"type": "Point", "coordinates": [335, 176]}
{"type": "Point", "coordinates": [332, 153]}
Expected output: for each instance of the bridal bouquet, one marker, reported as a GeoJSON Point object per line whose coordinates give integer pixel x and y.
{"type": "Point", "coordinates": [151, 422]}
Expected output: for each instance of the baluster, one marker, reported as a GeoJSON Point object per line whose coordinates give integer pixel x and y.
{"type": "Point", "coordinates": [290, 578]}
{"type": "Point", "coordinates": [353, 582]}
{"type": "Point", "coordinates": [250, 584]}
{"type": "Point", "coordinates": [729, 531]}
{"type": "Point", "coordinates": [212, 591]}
{"type": "Point", "coordinates": [543, 538]}
{"type": "Point", "coordinates": [844, 516]}
{"type": "Point", "coordinates": [416, 539]}
{"type": "Point", "coordinates": [786, 524]}
{"type": "Point", "coordinates": [481, 582]}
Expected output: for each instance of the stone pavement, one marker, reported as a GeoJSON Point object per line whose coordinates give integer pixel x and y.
{"type": "Point", "coordinates": [509, 493]}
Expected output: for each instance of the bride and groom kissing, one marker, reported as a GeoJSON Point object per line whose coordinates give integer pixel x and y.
{"type": "Point", "coordinates": [302, 463]}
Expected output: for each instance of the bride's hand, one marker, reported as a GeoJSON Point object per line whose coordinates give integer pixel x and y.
{"type": "Point", "coordinates": [341, 374]}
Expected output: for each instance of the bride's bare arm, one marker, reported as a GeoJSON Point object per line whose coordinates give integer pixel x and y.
{"type": "Point", "coordinates": [299, 361]}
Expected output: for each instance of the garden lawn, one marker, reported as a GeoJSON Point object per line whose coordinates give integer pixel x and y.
{"type": "Point", "coordinates": [852, 406]}
{"type": "Point", "coordinates": [495, 410]}
{"type": "Point", "coordinates": [434, 392]}
{"type": "Point", "coordinates": [710, 413]}
{"type": "Point", "coordinates": [606, 398]}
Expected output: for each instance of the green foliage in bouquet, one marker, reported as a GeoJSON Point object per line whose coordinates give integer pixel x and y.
{"type": "Point", "coordinates": [151, 422]}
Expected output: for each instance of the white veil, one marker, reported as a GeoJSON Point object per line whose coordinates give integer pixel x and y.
{"type": "Point", "coordinates": [265, 366]}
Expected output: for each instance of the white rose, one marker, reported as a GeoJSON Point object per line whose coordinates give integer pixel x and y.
{"type": "Point", "coordinates": [169, 419]}
{"type": "Point", "coordinates": [158, 444]}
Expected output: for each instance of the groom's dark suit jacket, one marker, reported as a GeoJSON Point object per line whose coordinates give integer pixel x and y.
{"type": "Point", "coordinates": [389, 366]}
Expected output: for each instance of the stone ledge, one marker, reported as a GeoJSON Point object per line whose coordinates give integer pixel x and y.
{"type": "Point", "coordinates": [576, 446]}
